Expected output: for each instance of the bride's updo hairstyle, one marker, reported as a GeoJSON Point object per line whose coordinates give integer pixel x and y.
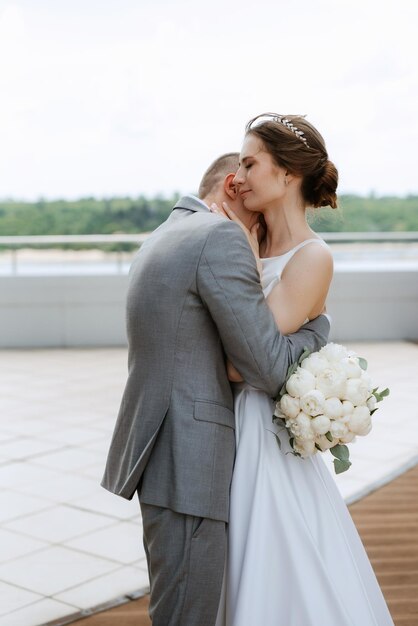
{"type": "Point", "coordinates": [297, 146]}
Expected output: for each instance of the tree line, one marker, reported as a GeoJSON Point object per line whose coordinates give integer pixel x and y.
{"type": "Point", "coordinates": [135, 215]}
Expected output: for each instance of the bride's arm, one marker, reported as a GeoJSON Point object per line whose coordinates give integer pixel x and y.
{"type": "Point", "coordinates": [301, 293]}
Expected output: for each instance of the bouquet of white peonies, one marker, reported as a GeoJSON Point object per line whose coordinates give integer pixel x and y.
{"type": "Point", "coordinates": [327, 400]}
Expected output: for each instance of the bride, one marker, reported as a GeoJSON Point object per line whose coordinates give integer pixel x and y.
{"type": "Point", "coordinates": [294, 555]}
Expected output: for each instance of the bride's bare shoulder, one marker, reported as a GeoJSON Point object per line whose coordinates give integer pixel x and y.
{"type": "Point", "coordinates": [316, 250]}
{"type": "Point", "coordinates": [313, 258]}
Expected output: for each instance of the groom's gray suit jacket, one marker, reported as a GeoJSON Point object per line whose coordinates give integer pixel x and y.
{"type": "Point", "coordinates": [194, 298]}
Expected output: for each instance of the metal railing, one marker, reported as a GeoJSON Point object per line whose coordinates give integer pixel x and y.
{"type": "Point", "coordinates": [57, 240]}
{"type": "Point", "coordinates": [15, 243]}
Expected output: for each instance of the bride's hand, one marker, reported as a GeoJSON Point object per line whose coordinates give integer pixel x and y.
{"type": "Point", "coordinates": [233, 374]}
{"type": "Point", "coordinates": [251, 233]}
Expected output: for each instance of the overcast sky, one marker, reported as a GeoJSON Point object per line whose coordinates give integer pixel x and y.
{"type": "Point", "coordinates": [124, 97]}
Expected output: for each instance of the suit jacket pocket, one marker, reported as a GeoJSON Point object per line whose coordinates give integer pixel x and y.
{"type": "Point", "coordinates": [207, 411]}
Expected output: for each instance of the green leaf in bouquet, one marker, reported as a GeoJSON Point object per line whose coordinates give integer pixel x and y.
{"type": "Point", "coordinates": [279, 420]}
{"type": "Point", "coordinates": [329, 436]}
{"type": "Point", "coordinates": [292, 445]}
{"type": "Point", "coordinates": [374, 410]}
{"type": "Point", "coordinates": [341, 452]}
{"type": "Point", "coordinates": [341, 466]}
{"type": "Point", "coordinates": [318, 447]}
{"type": "Point", "coordinates": [306, 352]}
{"type": "Point", "coordinates": [279, 443]}
{"type": "Point", "coordinates": [292, 369]}
{"type": "Point", "coordinates": [362, 362]}
{"type": "Point", "coordinates": [379, 395]}
{"type": "Point", "coordinates": [281, 392]}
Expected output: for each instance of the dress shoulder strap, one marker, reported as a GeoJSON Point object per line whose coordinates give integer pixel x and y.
{"type": "Point", "coordinates": [305, 243]}
{"type": "Point", "coordinates": [302, 245]}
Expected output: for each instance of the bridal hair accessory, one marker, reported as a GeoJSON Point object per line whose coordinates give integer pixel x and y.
{"type": "Point", "coordinates": [280, 119]}
{"type": "Point", "coordinates": [288, 124]}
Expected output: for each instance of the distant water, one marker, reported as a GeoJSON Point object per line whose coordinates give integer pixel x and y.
{"type": "Point", "coordinates": [36, 268]}
{"type": "Point", "coordinates": [347, 257]}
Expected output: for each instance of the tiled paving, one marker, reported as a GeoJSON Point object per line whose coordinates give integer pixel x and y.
{"type": "Point", "coordinates": [66, 545]}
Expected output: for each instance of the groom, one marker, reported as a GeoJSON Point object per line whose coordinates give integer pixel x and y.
{"type": "Point", "coordinates": [194, 298]}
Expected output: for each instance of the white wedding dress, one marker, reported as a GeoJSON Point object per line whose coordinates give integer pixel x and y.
{"type": "Point", "coordinates": [294, 555]}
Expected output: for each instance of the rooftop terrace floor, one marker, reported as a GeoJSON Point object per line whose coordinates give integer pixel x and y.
{"type": "Point", "coordinates": [68, 546]}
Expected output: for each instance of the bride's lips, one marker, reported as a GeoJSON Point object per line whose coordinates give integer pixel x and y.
{"type": "Point", "coordinates": [242, 193]}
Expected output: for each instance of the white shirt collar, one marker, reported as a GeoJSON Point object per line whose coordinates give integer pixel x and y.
{"type": "Point", "coordinates": [198, 200]}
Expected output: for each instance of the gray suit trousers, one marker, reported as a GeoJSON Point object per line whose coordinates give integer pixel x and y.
{"type": "Point", "coordinates": [186, 557]}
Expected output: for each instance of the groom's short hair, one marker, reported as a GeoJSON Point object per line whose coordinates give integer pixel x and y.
{"type": "Point", "coordinates": [216, 172]}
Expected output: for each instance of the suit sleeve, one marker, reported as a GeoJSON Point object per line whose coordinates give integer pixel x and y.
{"type": "Point", "coordinates": [229, 286]}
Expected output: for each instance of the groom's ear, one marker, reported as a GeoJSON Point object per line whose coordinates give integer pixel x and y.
{"type": "Point", "coordinates": [229, 188]}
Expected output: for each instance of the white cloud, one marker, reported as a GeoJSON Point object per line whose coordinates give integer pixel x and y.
{"type": "Point", "coordinates": [133, 97]}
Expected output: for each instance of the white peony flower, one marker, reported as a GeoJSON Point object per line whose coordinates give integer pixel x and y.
{"type": "Point", "coordinates": [348, 438]}
{"type": "Point", "coordinates": [331, 382]}
{"type": "Point", "coordinates": [305, 447]}
{"type": "Point", "coordinates": [360, 422]}
{"type": "Point", "coordinates": [371, 403]}
{"type": "Point", "coordinates": [334, 352]}
{"type": "Point", "coordinates": [338, 429]}
{"type": "Point", "coordinates": [367, 380]}
{"type": "Point", "coordinates": [351, 367]}
{"type": "Point", "coordinates": [356, 391]}
{"type": "Point", "coordinates": [324, 444]}
{"type": "Point", "coordinates": [315, 363]}
{"type": "Point", "coordinates": [301, 426]}
{"type": "Point", "coordinates": [312, 402]}
{"type": "Point", "coordinates": [278, 411]}
{"type": "Point", "coordinates": [348, 407]}
{"type": "Point", "coordinates": [333, 408]}
{"type": "Point", "coordinates": [321, 424]}
{"type": "Point", "coordinates": [292, 427]}
{"type": "Point", "coordinates": [300, 383]}
{"type": "Point", "coordinates": [290, 406]}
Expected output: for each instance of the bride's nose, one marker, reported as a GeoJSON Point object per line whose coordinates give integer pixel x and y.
{"type": "Point", "coordinates": [238, 178]}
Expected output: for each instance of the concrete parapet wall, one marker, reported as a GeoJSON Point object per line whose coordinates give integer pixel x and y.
{"type": "Point", "coordinates": [62, 311]}
{"type": "Point", "coordinates": [374, 305]}
{"type": "Point", "coordinates": [69, 311]}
